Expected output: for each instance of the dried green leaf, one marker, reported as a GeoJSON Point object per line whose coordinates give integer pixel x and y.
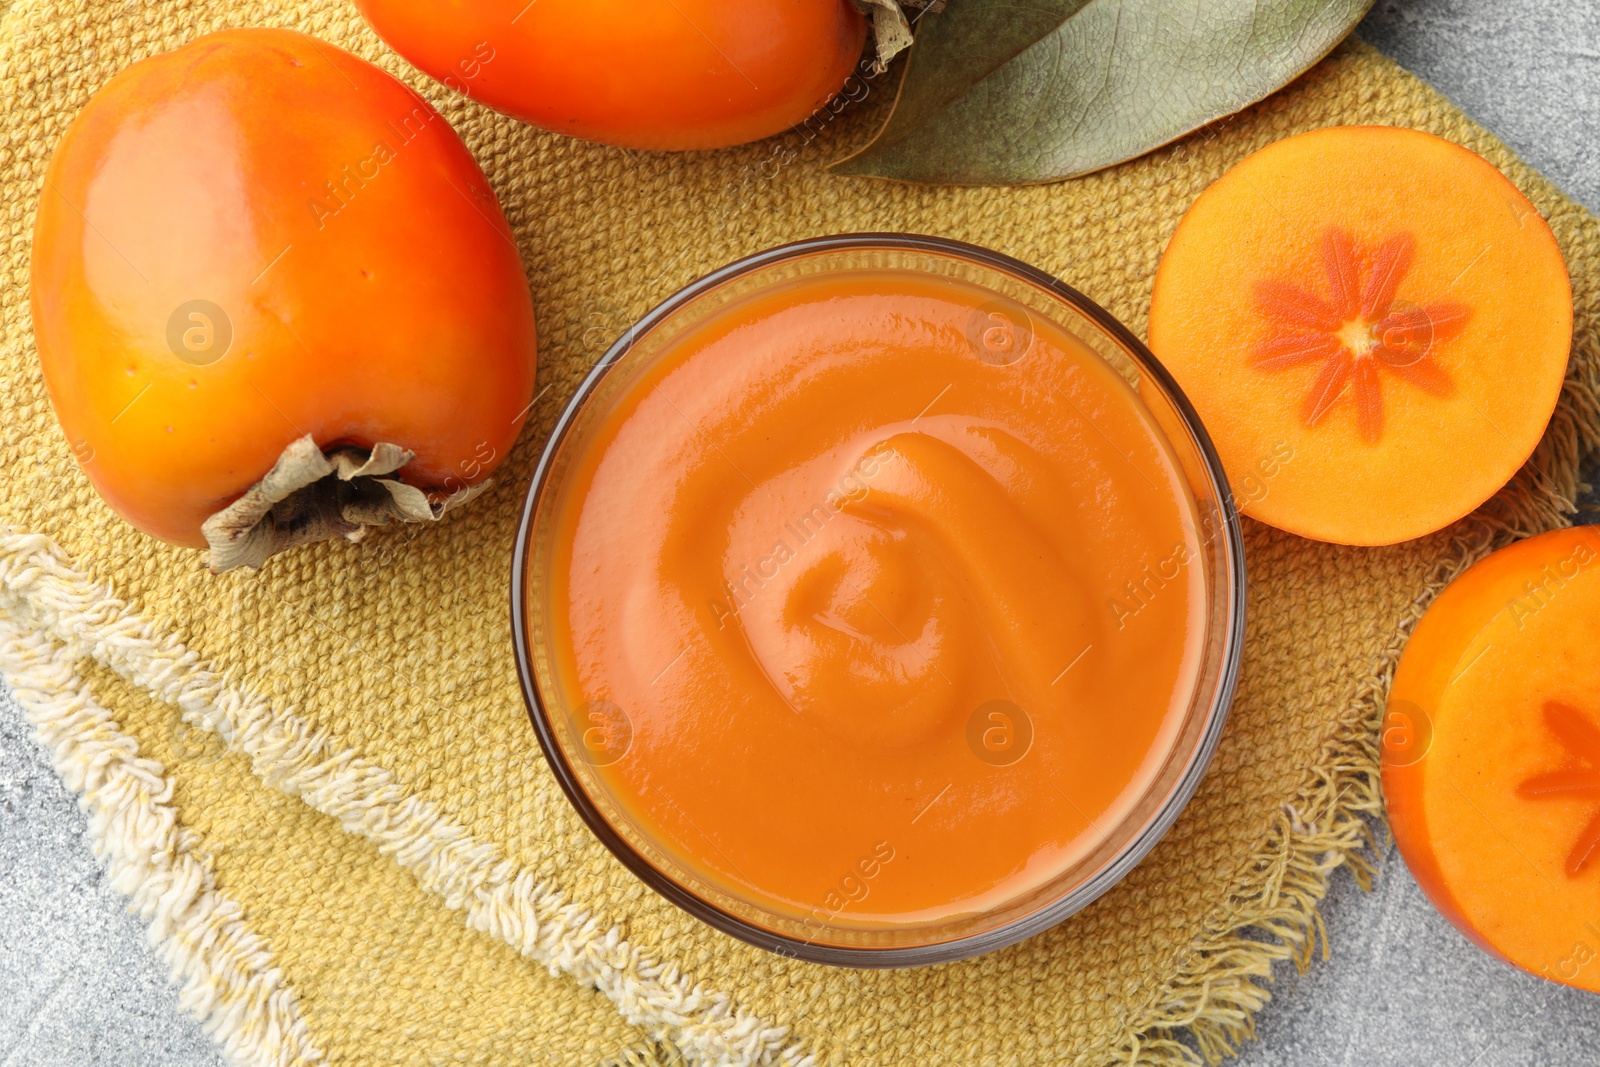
{"type": "Point", "coordinates": [1001, 94]}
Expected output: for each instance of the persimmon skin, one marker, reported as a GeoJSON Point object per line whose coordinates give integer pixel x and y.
{"type": "Point", "coordinates": [1451, 421]}
{"type": "Point", "coordinates": [372, 286]}
{"type": "Point", "coordinates": [652, 74]}
{"type": "Point", "coordinates": [1471, 631]}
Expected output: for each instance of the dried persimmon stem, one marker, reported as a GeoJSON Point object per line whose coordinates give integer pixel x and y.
{"type": "Point", "coordinates": [309, 495]}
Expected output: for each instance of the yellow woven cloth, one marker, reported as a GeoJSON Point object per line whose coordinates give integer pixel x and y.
{"type": "Point", "coordinates": [354, 850]}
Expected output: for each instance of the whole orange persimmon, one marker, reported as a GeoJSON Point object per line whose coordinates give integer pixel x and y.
{"type": "Point", "coordinates": [258, 253]}
{"type": "Point", "coordinates": [663, 74]}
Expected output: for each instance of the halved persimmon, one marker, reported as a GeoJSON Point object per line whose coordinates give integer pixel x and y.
{"type": "Point", "coordinates": [1381, 306]}
{"type": "Point", "coordinates": [1491, 752]}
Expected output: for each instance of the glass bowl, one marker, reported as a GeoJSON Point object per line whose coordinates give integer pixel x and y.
{"type": "Point", "coordinates": [567, 735]}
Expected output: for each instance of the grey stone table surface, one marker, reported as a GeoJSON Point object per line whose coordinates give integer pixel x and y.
{"type": "Point", "coordinates": [79, 984]}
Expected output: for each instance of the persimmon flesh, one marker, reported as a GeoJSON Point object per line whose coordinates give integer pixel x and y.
{"type": "Point", "coordinates": [659, 74]}
{"type": "Point", "coordinates": [1380, 306]}
{"type": "Point", "coordinates": [258, 237]}
{"type": "Point", "coordinates": [1491, 768]}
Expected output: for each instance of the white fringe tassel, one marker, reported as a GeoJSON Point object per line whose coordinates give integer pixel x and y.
{"type": "Point", "coordinates": [41, 591]}
{"type": "Point", "coordinates": [225, 973]}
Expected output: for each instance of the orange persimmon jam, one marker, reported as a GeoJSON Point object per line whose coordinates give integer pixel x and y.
{"type": "Point", "coordinates": [872, 599]}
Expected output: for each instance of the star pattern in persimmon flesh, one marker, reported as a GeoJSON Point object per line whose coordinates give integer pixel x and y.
{"type": "Point", "coordinates": [1581, 738]}
{"type": "Point", "coordinates": [1360, 332]}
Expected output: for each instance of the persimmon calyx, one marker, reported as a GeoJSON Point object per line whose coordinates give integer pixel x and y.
{"type": "Point", "coordinates": [890, 28]}
{"type": "Point", "coordinates": [310, 495]}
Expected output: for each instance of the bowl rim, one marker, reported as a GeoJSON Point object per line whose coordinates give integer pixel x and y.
{"type": "Point", "coordinates": [970, 945]}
